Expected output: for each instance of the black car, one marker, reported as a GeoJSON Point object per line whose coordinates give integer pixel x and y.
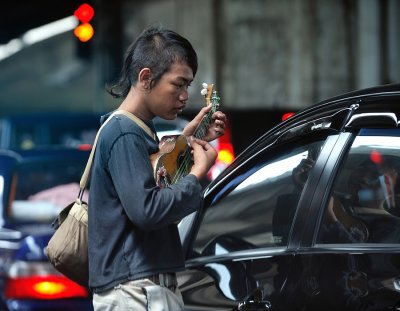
{"type": "Point", "coordinates": [307, 217]}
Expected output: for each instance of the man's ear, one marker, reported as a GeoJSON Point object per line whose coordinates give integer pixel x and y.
{"type": "Point", "coordinates": [145, 78]}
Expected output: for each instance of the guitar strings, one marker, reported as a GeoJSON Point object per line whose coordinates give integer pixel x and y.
{"type": "Point", "coordinates": [200, 133]}
{"type": "Point", "coordinates": [187, 155]}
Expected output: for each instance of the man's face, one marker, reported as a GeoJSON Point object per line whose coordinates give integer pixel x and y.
{"type": "Point", "coordinates": [168, 97]}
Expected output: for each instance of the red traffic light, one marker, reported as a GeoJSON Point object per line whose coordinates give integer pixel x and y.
{"type": "Point", "coordinates": [84, 13]}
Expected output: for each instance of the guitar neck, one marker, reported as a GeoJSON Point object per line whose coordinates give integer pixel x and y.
{"type": "Point", "coordinates": [202, 129]}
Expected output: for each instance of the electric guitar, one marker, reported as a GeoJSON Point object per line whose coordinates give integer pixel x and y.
{"type": "Point", "coordinates": [174, 160]}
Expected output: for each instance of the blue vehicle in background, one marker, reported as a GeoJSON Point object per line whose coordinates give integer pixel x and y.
{"type": "Point", "coordinates": [42, 158]}
{"type": "Point", "coordinates": [34, 186]}
{"type": "Point", "coordinates": [29, 131]}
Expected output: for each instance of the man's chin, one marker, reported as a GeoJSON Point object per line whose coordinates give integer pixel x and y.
{"type": "Point", "coordinates": [171, 116]}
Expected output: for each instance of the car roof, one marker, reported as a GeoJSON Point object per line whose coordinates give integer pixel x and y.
{"type": "Point", "coordinates": [365, 100]}
{"type": "Point", "coordinates": [52, 117]}
{"type": "Point", "coordinates": [42, 153]}
{"type": "Point", "coordinates": [372, 91]}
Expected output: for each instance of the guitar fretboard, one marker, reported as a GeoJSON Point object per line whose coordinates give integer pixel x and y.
{"type": "Point", "coordinates": [200, 133]}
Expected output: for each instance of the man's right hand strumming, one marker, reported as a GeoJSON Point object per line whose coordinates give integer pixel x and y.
{"type": "Point", "coordinates": [204, 156]}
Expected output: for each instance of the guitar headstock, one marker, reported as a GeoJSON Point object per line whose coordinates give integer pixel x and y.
{"type": "Point", "coordinates": [210, 96]}
{"type": "Point", "coordinates": [207, 92]}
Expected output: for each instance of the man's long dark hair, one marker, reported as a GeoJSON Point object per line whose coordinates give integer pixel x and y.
{"type": "Point", "coordinates": [156, 48]}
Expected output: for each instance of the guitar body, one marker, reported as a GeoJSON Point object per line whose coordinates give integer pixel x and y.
{"type": "Point", "coordinates": [174, 159]}
{"type": "Point", "coordinates": [170, 160]}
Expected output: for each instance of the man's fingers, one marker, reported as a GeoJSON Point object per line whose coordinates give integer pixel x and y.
{"type": "Point", "coordinates": [201, 143]}
{"type": "Point", "coordinates": [203, 112]}
{"type": "Point", "coordinates": [198, 143]}
{"type": "Point", "coordinates": [219, 116]}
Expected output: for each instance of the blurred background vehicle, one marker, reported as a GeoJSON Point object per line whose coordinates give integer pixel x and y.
{"type": "Point", "coordinates": [34, 186]}
{"type": "Point", "coordinates": [307, 217]}
{"type": "Point", "coordinates": [44, 130]}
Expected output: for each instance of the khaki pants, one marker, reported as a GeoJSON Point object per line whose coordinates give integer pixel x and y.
{"type": "Point", "coordinates": [139, 295]}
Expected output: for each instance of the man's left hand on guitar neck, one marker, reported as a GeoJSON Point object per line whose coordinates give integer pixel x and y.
{"type": "Point", "coordinates": [216, 128]}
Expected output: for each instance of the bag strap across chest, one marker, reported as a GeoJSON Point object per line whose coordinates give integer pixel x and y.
{"type": "Point", "coordinates": [85, 175]}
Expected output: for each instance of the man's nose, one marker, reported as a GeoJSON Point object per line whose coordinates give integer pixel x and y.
{"type": "Point", "coordinates": [184, 95]}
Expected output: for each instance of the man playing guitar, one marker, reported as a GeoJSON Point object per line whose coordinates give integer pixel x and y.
{"type": "Point", "coordinates": [134, 245]}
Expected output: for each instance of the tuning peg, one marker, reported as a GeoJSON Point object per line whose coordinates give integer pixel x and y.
{"type": "Point", "coordinates": [204, 90]}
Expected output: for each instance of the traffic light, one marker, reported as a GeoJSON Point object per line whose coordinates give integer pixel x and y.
{"type": "Point", "coordinates": [84, 31]}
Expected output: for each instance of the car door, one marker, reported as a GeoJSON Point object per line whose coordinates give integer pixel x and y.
{"type": "Point", "coordinates": [350, 257]}
{"type": "Point", "coordinates": [240, 253]}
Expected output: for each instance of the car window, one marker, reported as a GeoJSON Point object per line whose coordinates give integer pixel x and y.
{"type": "Point", "coordinates": [66, 135]}
{"type": "Point", "coordinates": [258, 212]}
{"type": "Point", "coordinates": [32, 135]}
{"type": "Point", "coordinates": [41, 189]}
{"type": "Point", "coordinates": [26, 136]}
{"type": "Point", "coordinates": [364, 206]}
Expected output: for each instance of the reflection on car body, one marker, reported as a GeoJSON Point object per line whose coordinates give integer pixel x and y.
{"type": "Point", "coordinates": [327, 239]}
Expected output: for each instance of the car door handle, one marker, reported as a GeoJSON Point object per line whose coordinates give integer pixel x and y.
{"type": "Point", "coordinates": [254, 305]}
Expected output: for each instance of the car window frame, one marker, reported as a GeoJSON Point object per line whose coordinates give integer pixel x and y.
{"type": "Point", "coordinates": [193, 222]}
{"type": "Point", "coordinates": [335, 161]}
{"type": "Point", "coordinates": [189, 226]}
{"type": "Point", "coordinates": [308, 210]}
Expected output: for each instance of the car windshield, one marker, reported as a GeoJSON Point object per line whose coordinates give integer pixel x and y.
{"type": "Point", "coordinates": [41, 189]}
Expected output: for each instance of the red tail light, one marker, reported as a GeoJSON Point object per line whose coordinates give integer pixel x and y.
{"type": "Point", "coordinates": [43, 287]}
{"type": "Point", "coordinates": [39, 280]}
{"type": "Point", "coordinates": [226, 155]}
{"type": "Point", "coordinates": [225, 148]}
{"type": "Point", "coordinates": [85, 147]}
{"type": "Point", "coordinates": [287, 115]}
